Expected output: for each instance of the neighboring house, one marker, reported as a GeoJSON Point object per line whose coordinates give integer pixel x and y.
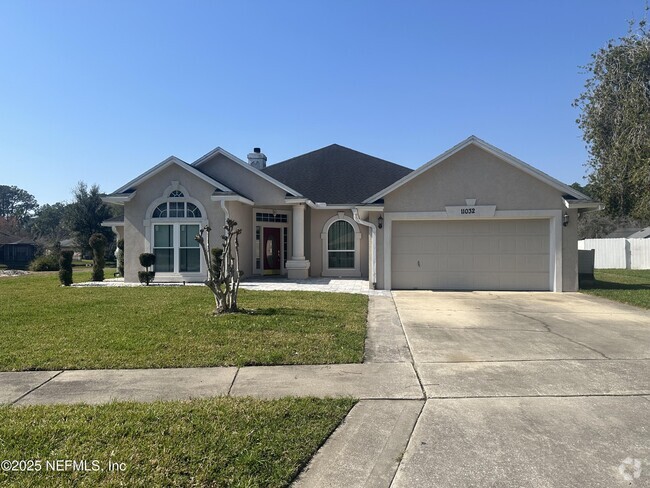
{"type": "Point", "coordinates": [473, 218]}
{"type": "Point", "coordinates": [16, 252]}
{"type": "Point", "coordinates": [629, 233]}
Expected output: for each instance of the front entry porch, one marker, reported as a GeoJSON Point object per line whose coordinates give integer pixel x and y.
{"type": "Point", "coordinates": [279, 242]}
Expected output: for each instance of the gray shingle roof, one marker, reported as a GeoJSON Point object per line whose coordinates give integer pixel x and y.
{"type": "Point", "coordinates": [337, 174]}
{"type": "Point", "coordinates": [6, 238]}
{"type": "Point", "coordinates": [642, 234]}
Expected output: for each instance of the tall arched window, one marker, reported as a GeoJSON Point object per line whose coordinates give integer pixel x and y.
{"type": "Point", "coordinates": [175, 221]}
{"type": "Point", "coordinates": [341, 237]}
{"type": "Point", "coordinates": [340, 245]}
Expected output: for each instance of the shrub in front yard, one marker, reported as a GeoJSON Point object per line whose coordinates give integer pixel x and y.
{"type": "Point", "coordinates": [98, 243]}
{"type": "Point", "coordinates": [46, 262]}
{"type": "Point", "coordinates": [65, 268]}
{"type": "Point", "coordinates": [147, 260]}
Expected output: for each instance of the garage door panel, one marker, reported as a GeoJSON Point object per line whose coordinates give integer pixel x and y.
{"type": "Point", "coordinates": [406, 280]}
{"type": "Point", "coordinates": [471, 255]}
{"type": "Point", "coordinates": [531, 263]}
{"type": "Point", "coordinates": [459, 245]}
{"type": "Point", "coordinates": [486, 263]}
{"type": "Point", "coordinates": [508, 263]}
{"type": "Point", "coordinates": [530, 244]}
{"type": "Point", "coordinates": [485, 244]}
{"type": "Point", "coordinates": [405, 263]}
{"type": "Point", "coordinates": [507, 245]}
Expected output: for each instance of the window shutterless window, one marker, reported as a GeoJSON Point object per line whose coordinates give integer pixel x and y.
{"type": "Point", "coordinates": [340, 245]}
{"type": "Point", "coordinates": [163, 248]}
{"type": "Point", "coordinates": [189, 252]}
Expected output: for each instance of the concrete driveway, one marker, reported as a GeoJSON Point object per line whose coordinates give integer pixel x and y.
{"type": "Point", "coordinates": [527, 389]}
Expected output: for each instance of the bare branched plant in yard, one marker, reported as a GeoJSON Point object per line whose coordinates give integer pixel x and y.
{"type": "Point", "coordinates": [223, 267]}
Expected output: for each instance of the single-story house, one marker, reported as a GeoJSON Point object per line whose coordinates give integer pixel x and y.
{"type": "Point", "coordinates": [15, 251]}
{"type": "Point", "coordinates": [473, 218]}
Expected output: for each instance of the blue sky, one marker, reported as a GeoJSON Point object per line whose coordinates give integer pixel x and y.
{"type": "Point", "coordinates": [102, 91]}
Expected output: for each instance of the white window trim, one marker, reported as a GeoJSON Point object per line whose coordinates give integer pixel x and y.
{"type": "Point", "coordinates": [149, 222]}
{"type": "Point", "coordinates": [351, 272]}
{"type": "Point", "coordinates": [555, 236]}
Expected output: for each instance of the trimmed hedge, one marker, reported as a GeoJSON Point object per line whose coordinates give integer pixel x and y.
{"type": "Point", "coordinates": [65, 265]}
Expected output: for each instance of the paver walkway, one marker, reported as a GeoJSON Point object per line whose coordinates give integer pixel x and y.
{"type": "Point", "coordinates": [328, 285]}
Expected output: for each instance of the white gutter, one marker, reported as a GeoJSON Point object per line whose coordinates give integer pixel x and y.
{"type": "Point", "coordinates": [373, 241]}
{"type": "Point", "coordinates": [232, 198]}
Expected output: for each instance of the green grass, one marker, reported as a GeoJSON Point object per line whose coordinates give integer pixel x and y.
{"type": "Point", "coordinates": [46, 326]}
{"type": "Point", "coordinates": [215, 442]}
{"type": "Point", "coordinates": [623, 285]}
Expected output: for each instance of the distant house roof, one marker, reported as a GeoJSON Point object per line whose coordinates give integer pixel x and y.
{"type": "Point", "coordinates": [626, 232]}
{"type": "Point", "coordinates": [114, 220]}
{"type": "Point", "coordinates": [642, 234]}
{"type": "Point", "coordinates": [11, 239]}
{"type": "Point", "coordinates": [336, 174]}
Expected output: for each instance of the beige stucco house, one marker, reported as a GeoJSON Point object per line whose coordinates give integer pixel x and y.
{"type": "Point", "coordinates": [473, 218]}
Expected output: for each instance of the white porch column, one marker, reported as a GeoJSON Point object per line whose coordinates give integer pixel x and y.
{"type": "Point", "coordinates": [298, 266]}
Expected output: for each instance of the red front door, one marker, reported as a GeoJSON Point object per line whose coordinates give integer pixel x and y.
{"type": "Point", "coordinates": [271, 250]}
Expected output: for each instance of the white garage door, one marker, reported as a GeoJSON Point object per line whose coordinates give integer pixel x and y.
{"type": "Point", "coordinates": [470, 255]}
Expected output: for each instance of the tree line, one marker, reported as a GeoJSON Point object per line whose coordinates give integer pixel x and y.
{"type": "Point", "coordinates": [48, 224]}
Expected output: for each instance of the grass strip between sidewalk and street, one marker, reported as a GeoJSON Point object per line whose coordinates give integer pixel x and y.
{"type": "Point", "coordinates": [215, 442]}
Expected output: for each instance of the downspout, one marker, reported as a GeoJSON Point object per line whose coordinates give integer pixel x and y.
{"type": "Point", "coordinates": [225, 211]}
{"type": "Point", "coordinates": [373, 241]}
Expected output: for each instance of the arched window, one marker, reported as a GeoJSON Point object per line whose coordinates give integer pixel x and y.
{"type": "Point", "coordinates": [340, 245]}
{"type": "Point", "coordinates": [175, 221]}
{"type": "Point", "coordinates": [176, 210]}
{"type": "Point", "coordinates": [341, 238]}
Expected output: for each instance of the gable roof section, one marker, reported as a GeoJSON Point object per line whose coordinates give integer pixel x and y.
{"type": "Point", "coordinates": [475, 141]}
{"type": "Point", "coordinates": [165, 164]}
{"type": "Point", "coordinates": [235, 159]}
{"type": "Point", "coordinates": [336, 175]}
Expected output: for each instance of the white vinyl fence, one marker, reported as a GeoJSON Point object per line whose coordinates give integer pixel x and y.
{"type": "Point", "coordinates": [619, 253]}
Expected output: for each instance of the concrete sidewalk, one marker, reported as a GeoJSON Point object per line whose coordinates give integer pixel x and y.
{"type": "Point", "coordinates": [363, 381]}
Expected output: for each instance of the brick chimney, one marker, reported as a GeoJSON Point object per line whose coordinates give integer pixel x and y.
{"type": "Point", "coordinates": [257, 159]}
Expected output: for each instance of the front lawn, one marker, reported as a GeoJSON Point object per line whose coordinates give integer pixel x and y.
{"type": "Point", "coordinates": [46, 326]}
{"type": "Point", "coordinates": [215, 442]}
{"type": "Point", "coordinates": [623, 285]}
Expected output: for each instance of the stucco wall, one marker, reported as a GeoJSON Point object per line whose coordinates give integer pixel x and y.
{"type": "Point", "coordinates": [317, 221]}
{"type": "Point", "coordinates": [570, 253]}
{"type": "Point", "coordinates": [243, 215]}
{"type": "Point", "coordinates": [147, 192]}
{"type": "Point", "coordinates": [473, 173]}
{"type": "Point", "coordinates": [243, 181]}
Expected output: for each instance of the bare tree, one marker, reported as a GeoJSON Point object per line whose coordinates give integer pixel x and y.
{"type": "Point", "coordinates": [223, 267]}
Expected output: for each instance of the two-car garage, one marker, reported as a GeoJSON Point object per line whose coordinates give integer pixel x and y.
{"type": "Point", "coordinates": [477, 218]}
{"type": "Point", "coordinates": [471, 254]}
